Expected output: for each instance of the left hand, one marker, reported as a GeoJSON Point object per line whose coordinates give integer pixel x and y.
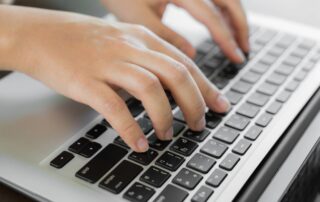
{"type": "Point", "coordinates": [225, 20]}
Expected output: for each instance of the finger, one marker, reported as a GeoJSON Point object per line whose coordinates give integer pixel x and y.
{"type": "Point", "coordinates": [107, 102]}
{"type": "Point", "coordinates": [205, 12]}
{"type": "Point", "coordinates": [239, 22]}
{"type": "Point", "coordinates": [213, 98]}
{"type": "Point", "coordinates": [146, 87]}
{"type": "Point", "coordinates": [178, 80]}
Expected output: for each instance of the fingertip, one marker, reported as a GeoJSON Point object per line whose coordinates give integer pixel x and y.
{"type": "Point", "coordinates": [142, 144]}
{"type": "Point", "coordinates": [222, 104]}
{"type": "Point", "coordinates": [189, 50]}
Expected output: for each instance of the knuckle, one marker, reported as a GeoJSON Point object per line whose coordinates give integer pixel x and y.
{"type": "Point", "coordinates": [179, 73]}
{"type": "Point", "coordinates": [150, 83]}
{"type": "Point", "coordinates": [112, 106]}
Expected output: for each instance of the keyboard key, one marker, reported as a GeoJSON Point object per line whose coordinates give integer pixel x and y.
{"type": "Point", "coordinates": [157, 144]}
{"type": "Point", "coordinates": [274, 107]}
{"type": "Point", "coordinates": [248, 110]}
{"type": "Point", "coordinates": [90, 149]}
{"type": "Point", "coordinates": [96, 131]}
{"type": "Point", "coordinates": [187, 179]}
{"type": "Point", "coordinates": [178, 115]}
{"type": "Point", "coordinates": [264, 120]}
{"type": "Point", "coordinates": [276, 79]}
{"type": "Point", "coordinates": [120, 177]}
{"type": "Point", "coordinates": [229, 162]}
{"type": "Point", "coordinates": [216, 178]}
{"type": "Point", "coordinates": [184, 146]}
{"type": "Point", "coordinates": [214, 148]}
{"type": "Point", "coordinates": [307, 44]}
{"type": "Point", "coordinates": [260, 68]}
{"type": "Point", "coordinates": [253, 133]}
{"type": "Point", "coordinates": [177, 128]}
{"type": "Point", "coordinates": [206, 70]}
{"type": "Point", "coordinates": [267, 88]}
{"type": "Point", "coordinates": [197, 136]}
{"type": "Point", "coordinates": [204, 47]}
{"type": "Point", "coordinates": [276, 51]}
{"type": "Point", "coordinates": [241, 87]}
{"type": "Point", "coordinates": [237, 122]}
{"type": "Point", "coordinates": [212, 119]}
{"type": "Point", "coordinates": [241, 147]}
{"type": "Point", "coordinates": [268, 59]}
{"type": "Point", "coordinates": [286, 41]}
{"type": "Point", "coordinates": [155, 176]}
{"type": "Point", "coordinates": [62, 159]}
{"type": "Point", "coordinates": [213, 63]}
{"type": "Point", "coordinates": [78, 145]}
{"type": "Point", "coordinates": [301, 75]}
{"type": "Point", "coordinates": [250, 77]}
{"type": "Point", "coordinates": [144, 158]}
{"type": "Point", "coordinates": [201, 163]}
{"type": "Point", "coordinates": [234, 97]}
{"type": "Point", "coordinates": [309, 66]}
{"type": "Point", "coordinates": [229, 72]}
{"type": "Point", "coordinates": [135, 107]}
{"type": "Point", "coordinates": [225, 134]}
{"type": "Point", "coordinates": [220, 82]}
{"type": "Point", "coordinates": [170, 161]}
{"type": "Point", "coordinates": [202, 195]}
{"type": "Point", "coordinates": [292, 86]}
{"type": "Point", "coordinates": [292, 60]}
{"type": "Point", "coordinates": [145, 124]}
{"type": "Point", "coordinates": [284, 96]}
{"type": "Point", "coordinates": [139, 193]}
{"type": "Point", "coordinates": [118, 140]}
{"type": "Point", "coordinates": [258, 99]}
{"type": "Point", "coordinates": [97, 166]}
{"type": "Point", "coordinates": [172, 193]}
{"type": "Point", "coordinates": [284, 69]}
{"type": "Point", "coordinates": [172, 102]}
{"type": "Point", "coordinates": [300, 52]}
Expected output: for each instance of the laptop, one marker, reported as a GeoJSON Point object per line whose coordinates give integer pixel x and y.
{"type": "Point", "coordinates": [54, 149]}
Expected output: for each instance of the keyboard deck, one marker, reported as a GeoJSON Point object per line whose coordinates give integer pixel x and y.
{"type": "Point", "coordinates": [200, 161]}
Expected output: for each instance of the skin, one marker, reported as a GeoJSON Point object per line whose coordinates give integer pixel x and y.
{"type": "Point", "coordinates": [88, 60]}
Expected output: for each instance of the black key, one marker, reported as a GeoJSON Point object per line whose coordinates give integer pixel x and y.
{"type": "Point", "coordinates": [229, 162]}
{"type": "Point", "coordinates": [250, 77]}
{"type": "Point", "coordinates": [157, 144]}
{"type": "Point", "coordinates": [172, 102]}
{"type": "Point", "coordinates": [234, 97]}
{"type": "Point", "coordinates": [260, 68]}
{"type": "Point", "coordinates": [155, 176]}
{"type": "Point", "coordinates": [268, 59]}
{"type": "Point", "coordinates": [283, 96]}
{"type": "Point", "coordinates": [253, 133]}
{"type": "Point", "coordinates": [238, 122]}
{"type": "Point", "coordinates": [267, 88]}
{"type": "Point", "coordinates": [284, 69]}
{"type": "Point", "coordinates": [202, 195]}
{"type": "Point", "coordinates": [184, 146]}
{"type": "Point", "coordinates": [276, 79]}
{"type": "Point", "coordinates": [204, 47]}
{"type": "Point", "coordinates": [214, 148]}
{"type": "Point", "coordinates": [241, 87]}
{"type": "Point", "coordinates": [197, 136]}
{"type": "Point", "coordinates": [106, 123]}
{"type": "Point", "coordinates": [96, 131]}
{"type": "Point", "coordinates": [216, 178]}
{"type": "Point", "coordinates": [62, 159]}
{"type": "Point", "coordinates": [229, 72]}
{"type": "Point", "coordinates": [144, 158]}
{"type": "Point", "coordinates": [135, 107]}
{"type": "Point", "coordinates": [187, 179]}
{"type": "Point", "coordinates": [220, 82]}
{"type": "Point", "coordinates": [145, 124]}
{"type": "Point", "coordinates": [172, 193]}
{"type": "Point", "coordinates": [207, 71]}
{"type": "Point", "coordinates": [213, 63]}
{"type": "Point", "coordinates": [301, 75]}
{"type": "Point", "coordinates": [241, 147]}
{"type": "Point", "coordinates": [97, 166]}
{"type": "Point", "coordinates": [264, 120]}
{"type": "Point", "coordinates": [212, 119]}
{"type": "Point", "coordinates": [120, 177]}
{"type": "Point", "coordinates": [178, 115]}
{"type": "Point", "coordinates": [90, 149]}
{"type": "Point", "coordinates": [170, 161]}
{"type": "Point", "coordinates": [292, 86]}
{"type": "Point", "coordinates": [248, 110]}
{"type": "Point", "coordinates": [177, 128]}
{"type": "Point", "coordinates": [292, 61]}
{"type": "Point", "coordinates": [138, 193]}
{"type": "Point", "coordinates": [274, 107]}
{"type": "Point", "coordinates": [258, 99]}
{"type": "Point", "coordinates": [227, 135]}
{"type": "Point", "coordinates": [201, 163]}
{"type": "Point", "coordinates": [118, 140]}
{"type": "Point", "coordinates": [78, 145]}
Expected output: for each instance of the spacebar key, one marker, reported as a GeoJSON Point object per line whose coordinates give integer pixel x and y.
{"type": "Point", "coordinates": [101, 163]}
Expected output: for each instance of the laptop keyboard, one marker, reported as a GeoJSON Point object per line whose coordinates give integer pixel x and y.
{"type": "Point", "coordinates": [220, 147]}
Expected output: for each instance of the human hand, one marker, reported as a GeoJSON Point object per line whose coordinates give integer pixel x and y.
{"type": "Point", "coordinates": [87, 59]}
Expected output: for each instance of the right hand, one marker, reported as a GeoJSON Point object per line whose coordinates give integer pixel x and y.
{"type": "Point", "coordinates": [87, 59]}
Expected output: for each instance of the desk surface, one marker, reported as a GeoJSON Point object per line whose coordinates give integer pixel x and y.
{"type": "Point", "coordinates": [304, 11]}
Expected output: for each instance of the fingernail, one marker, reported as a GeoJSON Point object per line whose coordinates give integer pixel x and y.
{"type": "Point", "coordinates": [240, 54]}
{"type": "Point", "coordinates": [223, 103]}
{"type": "Point", "coordinates": [169, 134]}
{"type": "Point", "coordinates": [143, 144]}
{"type": "Point", "coordinates": [201, 123]}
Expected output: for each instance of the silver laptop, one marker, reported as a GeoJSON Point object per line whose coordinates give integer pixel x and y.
{"type": "Point", "coordinates": [54, 149]}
